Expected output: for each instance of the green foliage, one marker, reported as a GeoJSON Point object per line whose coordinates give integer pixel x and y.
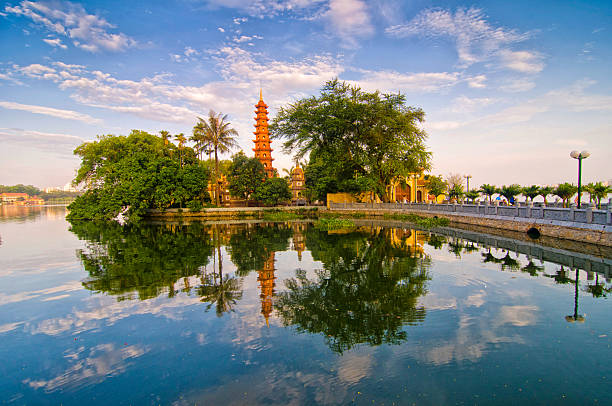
{"type": "Point", "coordinates": [273, 191]}
{"type": "Point", "coordinates": [250, 247]}
{"type": "Point", "coordinates": [332, 223]}
{"type": "Point", "coordinates": [141, 260]}
{"type": "Point", "coordinates": [436, 185]}
{"type": "Point", "coordinates": [137, 171]}
{"type": "Point", "coordinates": [600, 191]}
{"type": "Point", "coordinates": [472, 195]}
{"type": "Point", "coordinates": [358, 141]}
{"type": "Point", "coordinates": [419, 220]}
{"type": "Point", "coordinates": [20, 188]}
{"type": "Point", "coordinates": [510, 191]}
{"type": "Point", "coordinates": [565, 191]}
{"type": "Point", "coordinates": [284, 215]}
{"type": "Point", "coordinates": [455, 192]}
{"type": "Point", "coordinates": [545, 191]}
{"type": "Point", "coordinates": [531, 191]}
{"type": "Point", "coordinates": [246, 175]}
{"type": "Point", "coordinates": [488, 190]}
{"type": "Point", "coordinates": [367, 291]}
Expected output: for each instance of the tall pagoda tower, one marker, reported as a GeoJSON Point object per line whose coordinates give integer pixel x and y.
{"type": "Point", "coordinates": [266, 278]}
{"type": "Point", "coordinates": [262, 149]}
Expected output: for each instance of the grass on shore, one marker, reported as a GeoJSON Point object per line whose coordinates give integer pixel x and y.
{"type": "Point", "coordinates": [419, 220]}
{"type": "Point", "coordinates": [333, 223]}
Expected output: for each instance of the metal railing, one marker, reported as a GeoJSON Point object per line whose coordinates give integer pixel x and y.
{"type": "Point", "coordinates": [589, 215]}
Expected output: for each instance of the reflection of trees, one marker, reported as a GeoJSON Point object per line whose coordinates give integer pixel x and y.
{"type": "Point", "coordinates": [250, 246]}
{"type": "Point", "coordinates": [436, 240]}
{"type": "Point", "coordinates": [146, 259]}
{"type": "Point", "coordinates": [532, 269]}
{"type": "Point", "coordinates": [223, 293]}
{"type": "Point", "coordinates": [368, 289]}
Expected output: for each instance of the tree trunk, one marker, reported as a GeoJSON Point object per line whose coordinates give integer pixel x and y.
{"type": "Point", "coordinates": [216, 178]}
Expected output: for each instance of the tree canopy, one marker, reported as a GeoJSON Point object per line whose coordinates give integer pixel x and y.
{"type": "Point", "coordinates": [137, 171]}
{"type": "Point", "coordinates": [359, 141]}
{"type": "Point", "coordinates": [245, 175]}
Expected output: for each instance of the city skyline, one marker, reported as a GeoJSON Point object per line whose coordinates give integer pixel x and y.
{"type": "Point", "coordinates": [508, 89]}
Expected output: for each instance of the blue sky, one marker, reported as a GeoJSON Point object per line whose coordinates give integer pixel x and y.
{"type": "Point", "coordinates": [508, 88]}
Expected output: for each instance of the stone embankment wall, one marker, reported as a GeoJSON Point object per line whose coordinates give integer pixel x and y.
{"type": "Point", "coordinates": [585, 225]}
{"type": "Point", "coordinates": [229, 213]}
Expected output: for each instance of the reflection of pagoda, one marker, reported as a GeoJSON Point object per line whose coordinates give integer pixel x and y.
{"type": "Point", "coordinates": [266, 278]}
{"type": "Point", "coordinates": [262, 149]}
{"type": "Point", "coordinates": [299, 242]}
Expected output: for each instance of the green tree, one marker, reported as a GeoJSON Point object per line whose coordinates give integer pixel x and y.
{"type": "Point", "coordinates": [246, 175]}
{"type": "Point", "coordinates": [531, 191]}
{"type": "Point", "coordinates": [363, 140]}
{"type": "Point", "coordinates": [165, 136]}
{"type": "Point", "coordinates": [472, 195]}
{"type": "Point", "coordinates": [273, 192]}
{"type": "Point", "coordinates": [600, 191]}
{"type": "Point", "coordinates": [488, 190]}
{"type": "Point", "coordinates": [134, 171]}
{"type": "Point", "coordinates": [455, 192]}
{"type": "Point", "coordinates": [436, 186]}
{"type": "Point", "coordinates": [565, 191]}
{"type": "Point", "coordinates": [545, 191]}
{"type": "Point", "coordinates": [140, 260]}
{"type": "Point", "coordinates": [181, 139]}
{"type": "Point", "coordinates": [366, 292]}
{"type": "Point", "coordinates": [510, 192]}
{"type": "Point", "coordinates": [221, 137]}
{"type": "Point", "coordinates": [590, 189]}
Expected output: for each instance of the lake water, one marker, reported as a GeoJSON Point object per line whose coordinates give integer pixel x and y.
{"type": "Point", "coordinates": [280, 314]}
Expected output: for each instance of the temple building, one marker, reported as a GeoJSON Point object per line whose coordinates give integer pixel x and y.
{"type": "Point", "coordinates": [266, 279]}
{"type": "Point", "coordinates": [262, 149]}
{"type": "Point", "coordinates": [297, 183]}
{"type": "Point", "coordinates": [411, 189]}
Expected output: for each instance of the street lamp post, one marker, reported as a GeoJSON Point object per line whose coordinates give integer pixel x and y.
{"type": "Point", "coordinates": [580, 156]}
{"type": "Point", "coordinates": [467, 177]}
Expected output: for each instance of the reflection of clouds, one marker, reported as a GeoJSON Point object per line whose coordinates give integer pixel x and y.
{"type": "Point", "coordinates": [476, 333]}
{"type": "Point", "coordinates": [100, 362]}
{"type": "Point", "coordinates": [433, 301]}
{"type": "Point", "coordinates": [519, 316]}
{"type": "Point", "coordinates": [22, 296]}
{"type": "Point", "coordinates": [354, 367]}
{"type": "Point", "coordinates": [106, 311]}
{"type": "Point", "coordinates": [4, 328]}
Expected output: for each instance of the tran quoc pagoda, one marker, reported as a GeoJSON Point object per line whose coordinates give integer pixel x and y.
{"type": "Point", "coordinates": [262, 149]}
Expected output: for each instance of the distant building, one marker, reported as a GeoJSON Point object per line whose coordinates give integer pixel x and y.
{"type": "Point", "coordinates": [262, 149]}
{"type": "Point", "coordinates": [35, 201]}
{"type": "Point", "coordinates": [297, 183]}
{"type": "Point", "coordinates": [14, 198]}
{"type": "Point", "coordinates": [224, 193]}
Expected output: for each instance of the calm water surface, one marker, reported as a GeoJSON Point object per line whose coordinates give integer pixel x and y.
{"type": "Point", "coordinates": [277, 314]}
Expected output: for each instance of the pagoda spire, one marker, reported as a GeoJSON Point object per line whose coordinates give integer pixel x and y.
{"type": "Point", "coordinates": [262, 149]}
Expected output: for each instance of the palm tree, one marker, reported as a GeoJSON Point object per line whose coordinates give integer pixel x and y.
{"type": "Point", "coordinates": [509, 192]}
{"type": "Point", "coordinates": [181, 143]}
{"type": "Point", "coordinates": [600, 191]}
{"type": "Point", "coordinates": [488, 190]}
{"type": "Point", "coordinates": [201, 142]}
{"type": "Point", "coordinates": [589, 188]}
{"type": "Point", "coordinates": [164, 135]}
{"type": "Point", "coordinates": [220, 136]}
{"type": "Point", "coordinates": [531, 191]}
{"type": "Point", "coordinates": [545, 191]}
{"type": "Point", "coordinates": [565, 191]}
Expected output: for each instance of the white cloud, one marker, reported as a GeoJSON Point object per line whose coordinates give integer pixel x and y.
{"type": "Point", "coordinates": [221, 29]}
{"type": "Point", "coordinates": [350, 20]}
{"type": "Point", "coordinates": [516, 85]}
{"type": "Point", "coordinates": [521, 61]}
{"type": "Point", "coordinates": [49, 111]}
{"type": "Point", "coordinates": [475, 39]}
{"type": "Point", "coordinates": [464, 104]}
{"type": "Point", "coordinates": [55, 42]}
{"type": "Point", "coordinates": [87, 31]}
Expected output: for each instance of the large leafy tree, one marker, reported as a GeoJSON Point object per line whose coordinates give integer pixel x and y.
{"type": "Point", "coordinates": [436, 186]}
{"type": "Point", "coordinates": [245, 176]}
{"type": "Point", "coordinates": [219, 134]}
{"type": "Point", "coordinates": [273, 191]}
{"type": "Point", "coordinates": [134, 171]}
{"type": "Point", "coordinates": [361, 140]}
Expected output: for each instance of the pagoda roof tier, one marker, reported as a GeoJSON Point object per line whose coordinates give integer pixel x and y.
{"type": "Point", "coordinates": [263, 149]}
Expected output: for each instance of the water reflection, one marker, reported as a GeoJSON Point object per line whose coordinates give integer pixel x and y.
{"type": "Point", "coordinates": [365, 293]}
